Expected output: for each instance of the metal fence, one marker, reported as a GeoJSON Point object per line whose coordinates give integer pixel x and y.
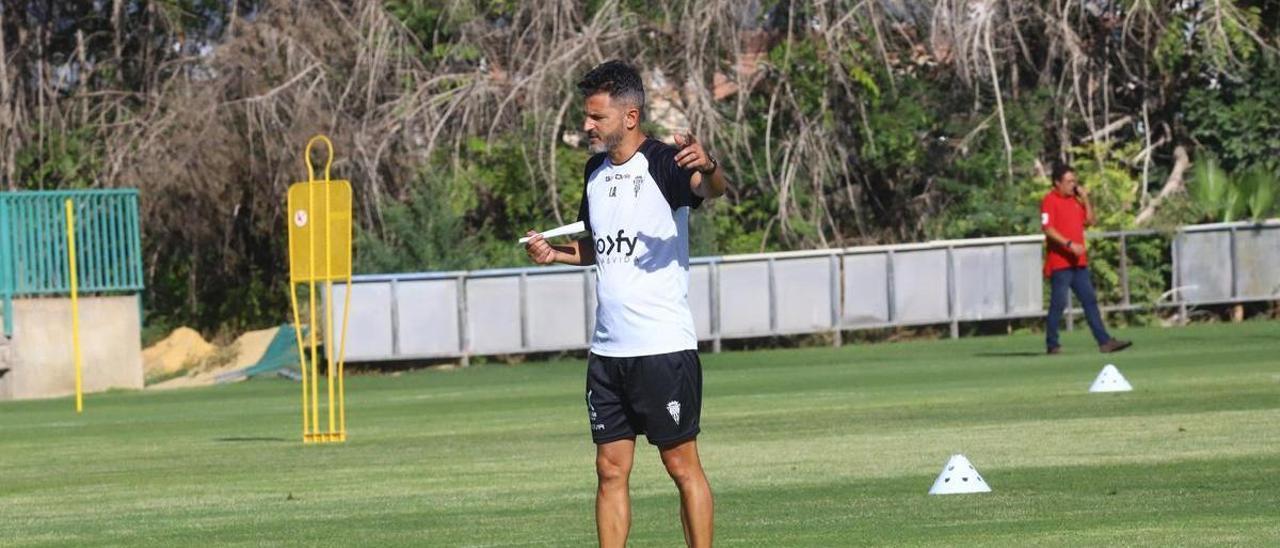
{"type": "Point", "coordinates": [510, 311]}
{"type": "Point", "coordinates": [33, 244]}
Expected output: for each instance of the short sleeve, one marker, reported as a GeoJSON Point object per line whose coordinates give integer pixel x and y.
{"type": "Point", "coordinates": [1044, 213]}
{"type": "Point", "coordinates": [674, 180]}
{"type": "Point", "coordinates": [584, 208]}
{"type": "Point", "coordinates": [584, 211]}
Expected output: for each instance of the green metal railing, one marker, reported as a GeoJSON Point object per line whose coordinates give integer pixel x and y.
{"type": "Point", "coordinates": [33, 244]}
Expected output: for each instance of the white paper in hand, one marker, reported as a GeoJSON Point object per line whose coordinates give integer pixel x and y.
{"type": "Point", "coordinates": [566, 230]}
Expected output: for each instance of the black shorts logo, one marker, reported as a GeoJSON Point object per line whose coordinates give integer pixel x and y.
{"type": "Point", "coordinates": [591, 411]}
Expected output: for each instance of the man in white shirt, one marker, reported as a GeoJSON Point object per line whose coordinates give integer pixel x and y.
{"type": "Point", "coordinates": [643, 373]}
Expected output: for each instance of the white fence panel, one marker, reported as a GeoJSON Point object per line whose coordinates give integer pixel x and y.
{"type": "Point", "coordinates": [1026, 279]}
{"type": "Point", "coordinates": [1205, 269]}
{"type": "Point", "coordinates": [979, 282]}
{"type": "Point", "coordinates": [803, 289]}
{"type": "Point", "coordinates": [920, 286]}
{"type": "Point", "coordinates": [493, 315]}
{"type": "Point", "coordinates": [744, 299]}
{"type": "Point", "coordinates": [1258, 257]}
{"type": "Point", "coordinates": [369, 336]}
{"type": "Point", "coordinates": [427, 318]}
{"type": "Point", "coordinates": [866, 290]}
{"type": "Point", "coordinates": [700, 300]}
{"type": "Point", "coordinates": [556, 311]}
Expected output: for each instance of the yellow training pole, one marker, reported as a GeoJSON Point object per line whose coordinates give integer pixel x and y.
{"type": "Point", "coordinates": [311, 322]}
{"type": "Point", "coordinates": [328, 287]}
{"type": "Point", "coordinates": [328, 347]}
{"type": "Point", "coordinates": [302, 360]}
{"type": "Point", "coordinates": [75, 305]}
{"type": "Point", "coordinates": [311, 295]}
{"type": "Point", "coordinates": [342, 348]}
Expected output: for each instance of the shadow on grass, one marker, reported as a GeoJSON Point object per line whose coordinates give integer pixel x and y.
{"type": "Point", "coordinates": [1007, 354]}
{"type": "Point", "coordinates": [246, 439]}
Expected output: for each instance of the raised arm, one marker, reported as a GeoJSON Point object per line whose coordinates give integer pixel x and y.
{"type": "Point", "coordinates": [708, 180]}
{"type": "Point", "coordinates": [1082, 195]}
{"type": "Point", "coordinates": [578, 253]}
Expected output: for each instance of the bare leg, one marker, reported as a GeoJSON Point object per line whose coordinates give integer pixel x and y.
{"type": "Point", "coordinates": [696, 513]}
{"type": "Point", "coordinates": [613, 500]}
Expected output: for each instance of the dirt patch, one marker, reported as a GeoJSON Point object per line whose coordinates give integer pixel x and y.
{"type": "Point", "coordinates": [182, 349]}
{"type": "Point", "coordinates": [251, 346]}
{"type": "Point", "coordinates": [244, 352]}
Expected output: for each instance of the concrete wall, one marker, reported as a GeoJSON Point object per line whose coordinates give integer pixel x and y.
{"type": "Point", "coordinates": [40, 355]}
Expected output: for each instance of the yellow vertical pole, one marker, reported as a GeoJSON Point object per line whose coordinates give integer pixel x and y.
{"type": "Point", "coordinates": [75, 305]}
{"type": "Point", "coordinates": [297, 331]}
{"type": "Point", "coordinates": [302, 360]}
{"type": "Point", "coordinates": [329, 350]}
{"type": "Point", "coordinates": [342, 347]}
{"type": "Point", "coordinates": [328, 289]}
{"type": "Point", "coordinates": [329, 346]}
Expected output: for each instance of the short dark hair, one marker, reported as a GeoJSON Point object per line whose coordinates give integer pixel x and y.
{"type": "Point", "coordinates": [618, 79]}
{"type": "Point", "coordinates": [1060, 170]}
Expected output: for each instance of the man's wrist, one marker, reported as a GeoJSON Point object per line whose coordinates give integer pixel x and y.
{"type": "Point", "coordinates": [714, 166]}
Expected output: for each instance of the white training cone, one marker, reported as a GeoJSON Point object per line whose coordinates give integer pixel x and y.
{"type": "Point", "coordinates": [958, 477]}
{"type": "Point", "coordinates": [1110, 380]}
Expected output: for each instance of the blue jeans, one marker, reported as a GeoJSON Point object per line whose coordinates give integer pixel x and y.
{"type": "Point", "coordinates": [1077, 279]}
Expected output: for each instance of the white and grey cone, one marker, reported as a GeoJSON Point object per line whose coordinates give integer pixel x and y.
{"type": "Point", "coordinates": [959, 477]}
{"type": "Point", "coordinates": [1110, 380]}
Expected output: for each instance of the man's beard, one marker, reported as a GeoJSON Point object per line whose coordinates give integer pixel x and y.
{"type": "Point", "coordinates": [607, 143]}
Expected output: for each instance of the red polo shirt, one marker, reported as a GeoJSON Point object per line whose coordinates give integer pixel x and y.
{"type": "Point", "coordinates": [1066, 215]}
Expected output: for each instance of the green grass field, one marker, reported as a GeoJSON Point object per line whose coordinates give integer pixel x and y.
{"type": "Point", "coordinates": [814, 447]}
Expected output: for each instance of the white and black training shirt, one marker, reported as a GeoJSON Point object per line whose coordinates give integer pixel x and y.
{"type": "Point", "coordinates": [638, 216]}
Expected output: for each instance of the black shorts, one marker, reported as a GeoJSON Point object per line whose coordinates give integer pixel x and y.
{"type": "Point", "coordinates": [659, 396]}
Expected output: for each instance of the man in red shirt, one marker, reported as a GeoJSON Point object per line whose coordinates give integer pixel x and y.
{"type": "Point", "coordinates": [1064, 213]}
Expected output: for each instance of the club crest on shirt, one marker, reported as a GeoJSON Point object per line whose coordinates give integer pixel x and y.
{"type": "Point", "coordinates": [613, 192]}
{"type": "Point", "coordinates": [637, 186]}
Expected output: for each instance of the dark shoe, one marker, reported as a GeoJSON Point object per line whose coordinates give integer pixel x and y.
{"type": "Point", "coordinates": [1114, 345]}
{"type": "Point", "coordinates": [1054, 350]}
